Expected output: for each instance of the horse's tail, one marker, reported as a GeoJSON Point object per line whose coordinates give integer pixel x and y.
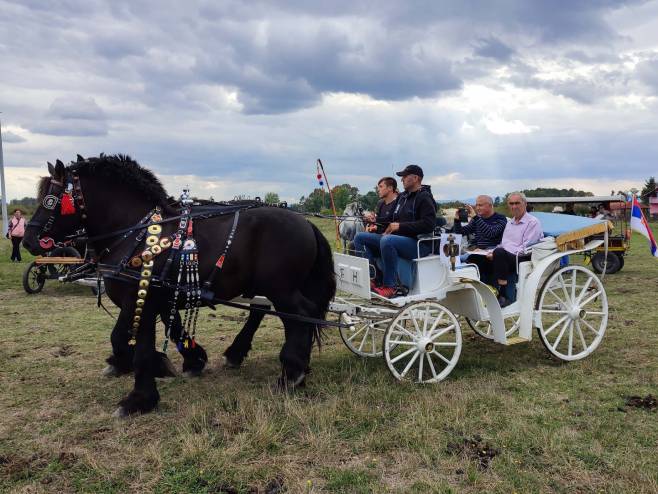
{"type": "Point", "coordinates": [320, 285]}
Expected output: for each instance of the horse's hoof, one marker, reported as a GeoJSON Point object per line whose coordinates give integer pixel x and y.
{"type": "Point", "coordinates": [120, 413]}
{"type": "Point", "coordinates": [289, 385]}
{"type": "Point", "coordinates": [110, 371]}
{"type": "Point", "coordinates": [230, 365]}
{"type": "Point", "coordinates": [192, 373]}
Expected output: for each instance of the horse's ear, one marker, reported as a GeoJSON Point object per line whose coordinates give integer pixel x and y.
{"type": "Point", "coordinates": [59, 170]}
{"type": "Point", "coordinates": [80, 158]}
{"type": "Point", "coordinates": [51, 169]}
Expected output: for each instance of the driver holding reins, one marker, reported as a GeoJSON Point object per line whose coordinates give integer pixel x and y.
{"type": "Point", "coordinates": [414, 214]}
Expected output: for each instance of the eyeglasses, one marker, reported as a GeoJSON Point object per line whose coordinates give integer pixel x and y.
{"type": "Point", "coordinates": [514, 203]}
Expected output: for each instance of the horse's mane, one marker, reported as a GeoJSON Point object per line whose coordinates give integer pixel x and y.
{"type": "Point", "coordinates": [123, 169]}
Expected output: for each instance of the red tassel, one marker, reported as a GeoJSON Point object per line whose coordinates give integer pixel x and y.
{"type": "Point", "coordinates": [68, 207]}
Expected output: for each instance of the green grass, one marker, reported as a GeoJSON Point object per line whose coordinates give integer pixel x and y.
{"type": "Point", "coordinates": [559, 427]}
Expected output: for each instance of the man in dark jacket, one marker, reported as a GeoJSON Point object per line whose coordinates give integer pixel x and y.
{"type": "Point", "coordinates": [414, 214]}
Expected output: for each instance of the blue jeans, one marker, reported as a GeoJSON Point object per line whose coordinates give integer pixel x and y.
{"type": "Point", "coordinates": [390, 248]}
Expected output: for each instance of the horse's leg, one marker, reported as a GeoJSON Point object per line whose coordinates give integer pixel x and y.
{"type": "Point", "coordinates": [235, 354]}
{"type": "Point", "coordinates": [194, 359]}
{"type": "Point", "coordinates": [121, 360]}
{"type": "Point", "coordinates": [144, 397]}
{"type": "Point", "coordinates": [295, 354]}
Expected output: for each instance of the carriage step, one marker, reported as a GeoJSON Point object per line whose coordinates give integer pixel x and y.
{"type": "Point", "coordinates": [515, 340]}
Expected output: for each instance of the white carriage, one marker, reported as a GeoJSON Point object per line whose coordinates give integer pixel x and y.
{"type": "Point", "coordinates": [419, 335]}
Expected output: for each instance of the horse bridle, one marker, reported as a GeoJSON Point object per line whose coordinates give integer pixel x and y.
{"type": "Point", "coordinates": [66, 194]}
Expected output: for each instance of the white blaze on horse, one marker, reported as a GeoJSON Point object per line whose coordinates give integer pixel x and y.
{"type": "Point", "coordinates": [351, 224]}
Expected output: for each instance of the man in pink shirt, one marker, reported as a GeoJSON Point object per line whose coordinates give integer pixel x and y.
{"type": "Point", "coordinates": [522, 231]}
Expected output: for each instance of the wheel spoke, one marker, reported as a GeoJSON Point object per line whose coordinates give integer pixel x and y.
{"type": "Point", "coordinates": [357, 333]}
{"type": "Point", "coordinates": [564, 288]}
{"type": "Point", "coordinates": [416, 327]}
{"type": "Point", "coordinates": [372, 335]}
{"type": "Point", "coordinates": [559, 336]}
{"type": "Point", "coordinates": [442, 332]}
{"type": "Point", "coordinates": [574, 276]}
{"type": "Point", "coordinates": [404, 331]}
{"type": "Point", "coordinates": [365, 338]}
{"type": "Point", "coordinates": [420, 369]}
{"type": "Point", "coordinates": [584, 290]}
{"type": "Point", "coordinates": [570, 350]}
{"type": "Point", "coordinates": [590, 298]}
{"type": "Point", "coordinates": [580, 334]}
{"type": "Point", "coordinates": [441, 357]}
{"type": "Point", "coordinates": [429, 361]}
{"type": "Point", "coordinates": [427, 315]}
{"type": "Point", "coordinates": [436, 322]}
{"type": "Point", "coordinates": [409, 364]}
{"type": "Point", "coordinates": [402, 342]}
{"type": "Point", "coordinates": [590, 327]}
{"type": "Point", "coordinates": [562, 302]}
{"type": "Point", "coordinates": [447, 343]}
{"type": "Point", "coordinates": [555, 325]}
{"type": "Point", "coordinates": [403, 354]}
{"type": "Point", "coordinates": [553, 311]}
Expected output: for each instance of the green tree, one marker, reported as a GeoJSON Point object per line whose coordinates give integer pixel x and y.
{"type": "Point", "coordinates": [343, 194]}
{"type": "Point", "coordinates": [648, 190]}
{"type": "Point", "coordinates": [315, 201]}
{"type": "Point", "coordinates": [369, 201]}
{"type": "Point", "coordinates": [272, 198]}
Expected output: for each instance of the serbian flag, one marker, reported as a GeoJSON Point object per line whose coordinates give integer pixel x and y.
{"type": "Point", "coordinates": [640, 225]}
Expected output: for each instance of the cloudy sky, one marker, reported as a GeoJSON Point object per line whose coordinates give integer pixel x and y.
{"type": "Point", "coordinates": [241, 97]}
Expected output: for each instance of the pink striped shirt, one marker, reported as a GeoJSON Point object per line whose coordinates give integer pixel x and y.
{"type": "Point", "coordinates": [518, 235]}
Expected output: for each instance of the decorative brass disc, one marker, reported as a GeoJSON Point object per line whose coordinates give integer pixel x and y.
{"type": "Point", "coordinates": [154, 229]}
{"type": "Point", "coordinates": [165, 243]}
{"type": "Point", "coordinates": [151, 239]}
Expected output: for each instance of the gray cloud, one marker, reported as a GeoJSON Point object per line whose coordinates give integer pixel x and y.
{"type": "Point", "coordinates": [73, 116]}
{"type": "Point", "coordinates": [256, 91]}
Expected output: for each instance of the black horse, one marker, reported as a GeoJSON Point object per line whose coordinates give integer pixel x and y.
{"type": "Point", "coordinates": [275, 253]}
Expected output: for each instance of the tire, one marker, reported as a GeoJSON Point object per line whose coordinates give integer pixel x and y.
{"type": "Point", "coordinates": [427, 330]}
{"type": "Point", "coordinates": [615, 262]}
{"type": "Point", "coordinates": [572, 303]}
{"type": "Point", "coordinates": [34, 277]}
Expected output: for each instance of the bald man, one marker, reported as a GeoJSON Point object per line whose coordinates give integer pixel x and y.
{"type": "Point", "coordinates": [487, 226]}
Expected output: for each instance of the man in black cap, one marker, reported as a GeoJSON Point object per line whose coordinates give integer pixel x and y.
{"type": "Point", "coordinates": [414, 214]}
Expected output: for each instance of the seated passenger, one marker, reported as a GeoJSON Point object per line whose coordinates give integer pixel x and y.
{"type": "Point", "coordinates": [522, 231]}
{"type": "Point", "coordinates": [487, 226]}
{"type": "Point", "coordinates": [387, 190]}
{"type": "Point", "coordinates": [414, 214]}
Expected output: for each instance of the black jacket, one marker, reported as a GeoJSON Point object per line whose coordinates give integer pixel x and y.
{"type": "Point", "coordinates": [416, 212]}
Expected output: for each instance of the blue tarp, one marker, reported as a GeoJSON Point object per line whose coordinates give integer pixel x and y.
{"type": "Point", "coordinates": [555, 224]}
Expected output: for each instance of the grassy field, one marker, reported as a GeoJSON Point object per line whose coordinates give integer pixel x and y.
{"type": "Point", "coordinates": [506, 420]}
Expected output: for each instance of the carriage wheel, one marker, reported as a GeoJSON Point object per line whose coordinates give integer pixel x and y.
{"type": "Point", "coordinates": [364, 336]}
{"type": "Point", "coordinates": [423, 343]}
{"type": "Point", "coordinates": [572, 313]}
{"type": "Point", "coordinates": [34, 277]}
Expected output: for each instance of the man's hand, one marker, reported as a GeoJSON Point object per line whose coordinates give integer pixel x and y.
{"type": "Point", "coordinates": [369, 217]}
{"type": "Point", "coordinates": [371, 227]}
{"type": "Point", "coordinates": [490, 256]}
{"type": "Point", "coordinates": [392, 228]}
{"type": "Point", "coordinates": [471, 211]}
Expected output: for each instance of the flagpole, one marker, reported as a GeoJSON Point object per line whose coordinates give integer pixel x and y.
{"type": "Point", "coordinates": [3, 190]}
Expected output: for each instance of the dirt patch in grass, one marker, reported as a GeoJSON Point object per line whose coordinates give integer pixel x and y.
{"type": "Point", "coordinates": [474, 449]}
{"type": "Point", "coordinates": [649, 402]}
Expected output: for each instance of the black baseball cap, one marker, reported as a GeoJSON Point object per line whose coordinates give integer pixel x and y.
{"type": "Point", "coordinates": [411, 170]}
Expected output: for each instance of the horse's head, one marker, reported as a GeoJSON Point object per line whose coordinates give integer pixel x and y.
{"type": "Point", "coordinates": [60, 213]}
{"type": "Point", "coordinates": [353, 209]}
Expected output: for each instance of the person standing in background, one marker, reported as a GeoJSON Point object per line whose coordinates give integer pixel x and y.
{"type": "Point", "coordinates": [15, 233]}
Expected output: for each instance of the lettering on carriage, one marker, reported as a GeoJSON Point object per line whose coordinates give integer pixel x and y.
{"type": "Point", "coordinates": [341, 273]}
